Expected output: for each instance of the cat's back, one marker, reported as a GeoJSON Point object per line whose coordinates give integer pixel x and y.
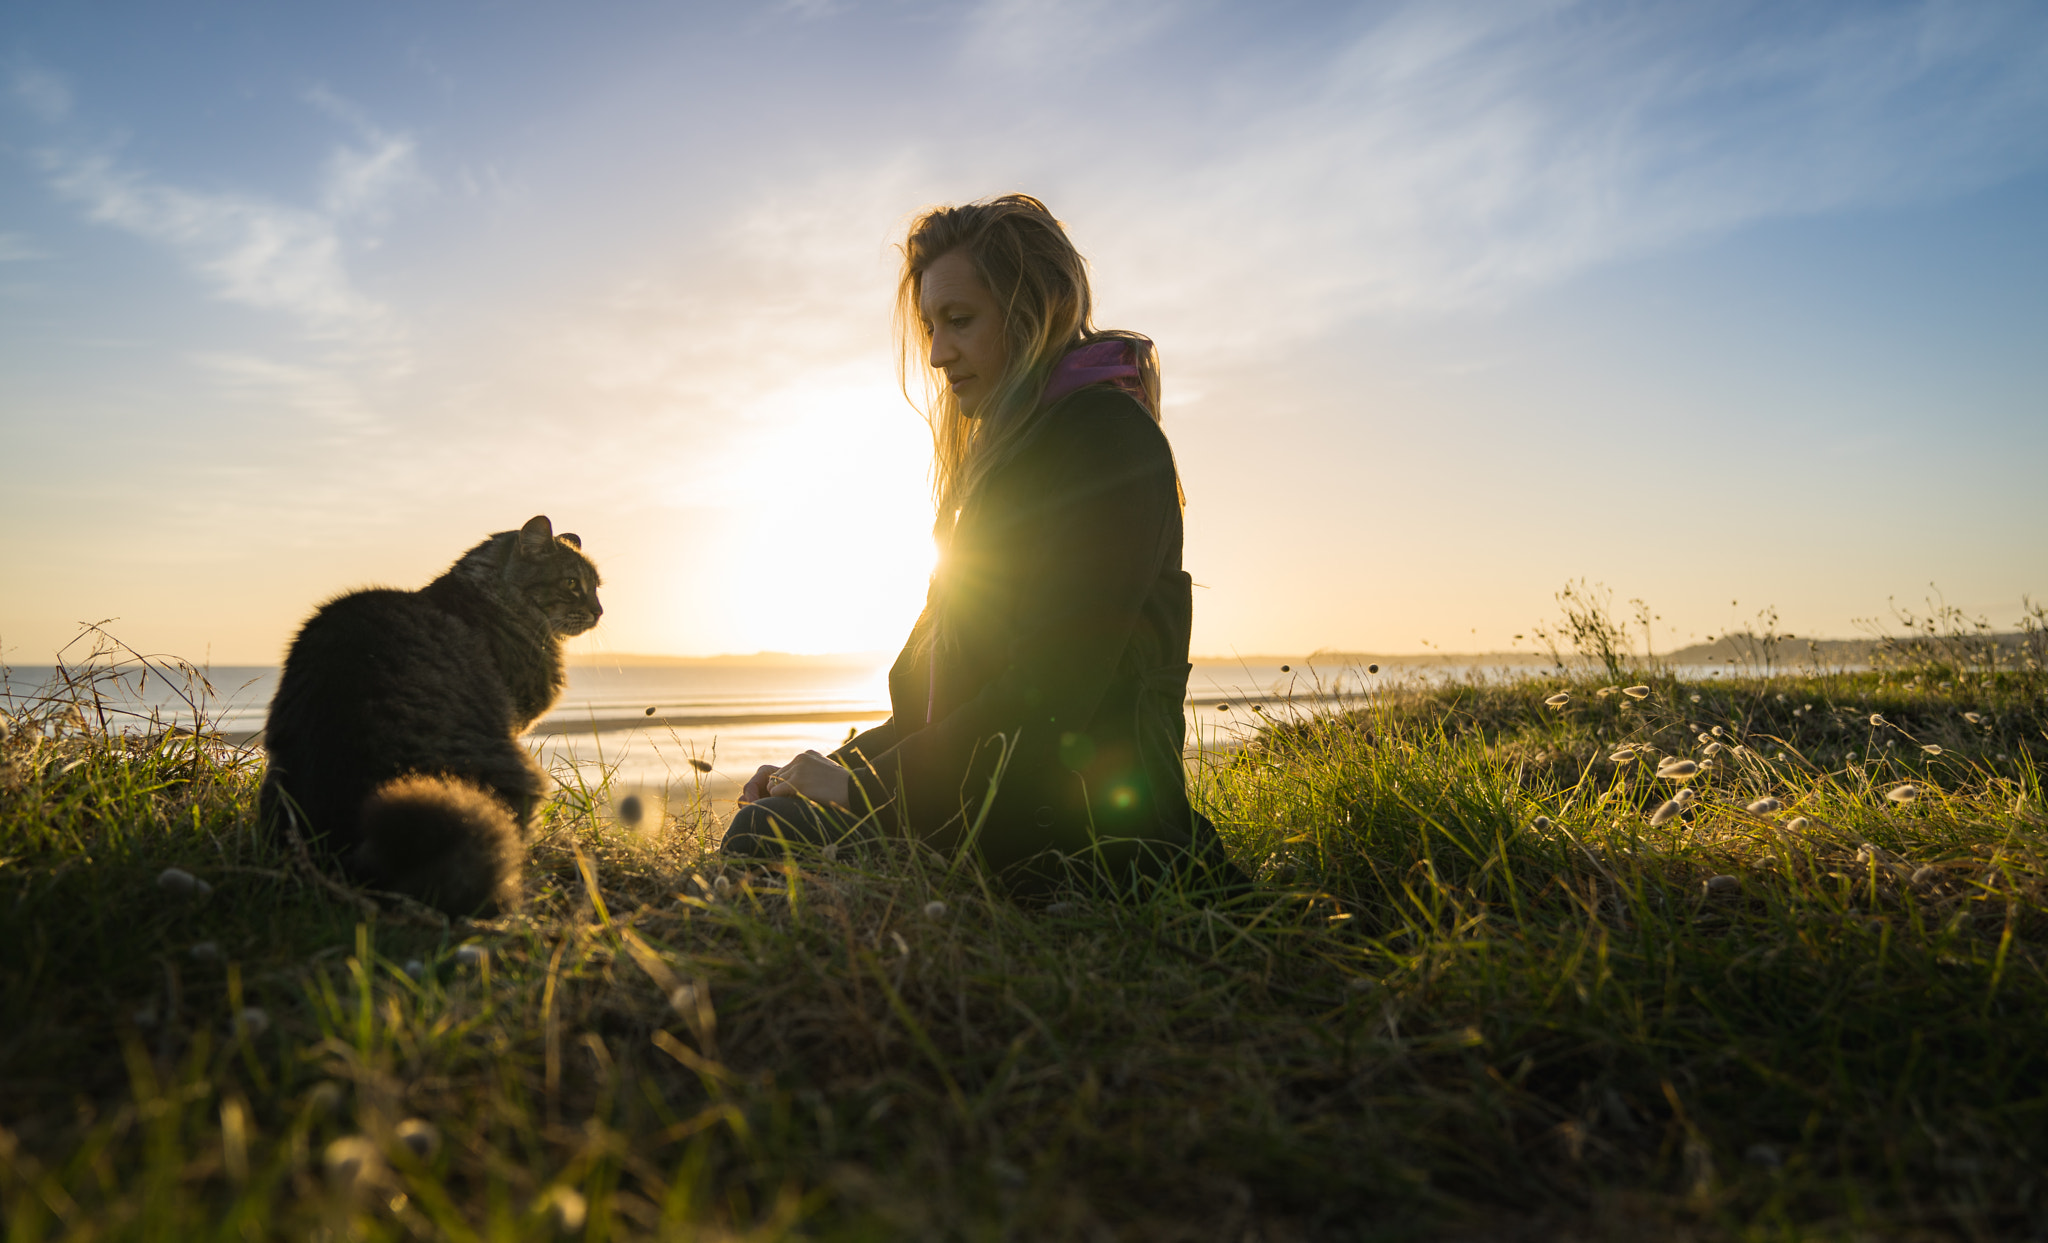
{"type": "Point", "coordinates": [384, 663]}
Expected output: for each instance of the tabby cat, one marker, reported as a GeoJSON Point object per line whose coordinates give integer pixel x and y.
{"type": "Point", "coordinates": [394, 734]}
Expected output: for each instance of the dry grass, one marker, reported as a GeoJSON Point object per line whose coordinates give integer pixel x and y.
{"type": "Point", "coordinates": [1476, 995]}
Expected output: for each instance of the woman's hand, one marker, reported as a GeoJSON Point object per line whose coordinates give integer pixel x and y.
{"type": "Point", "coordinates": [812, 776]}
{"type": "Point", "coordinates": [756, 788]}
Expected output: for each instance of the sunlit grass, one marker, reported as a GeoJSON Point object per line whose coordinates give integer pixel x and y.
{"type": "Point", "coordinates": [1477, 992]}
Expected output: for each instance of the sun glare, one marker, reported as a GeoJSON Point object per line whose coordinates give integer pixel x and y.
{"type": "Point", "coordinates": [825, 516]}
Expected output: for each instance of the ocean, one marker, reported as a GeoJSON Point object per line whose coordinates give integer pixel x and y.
{"type": "Point", "coordinates": [639, 727]}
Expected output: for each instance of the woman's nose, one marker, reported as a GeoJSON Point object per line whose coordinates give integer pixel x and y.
{"type": "Point", "coordinates": [942, 351]}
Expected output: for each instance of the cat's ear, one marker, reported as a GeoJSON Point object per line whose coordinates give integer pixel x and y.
{"type": "Point", "coordinates": [536, 535]}
{"type": "Point", "coordinates": [571, 541]}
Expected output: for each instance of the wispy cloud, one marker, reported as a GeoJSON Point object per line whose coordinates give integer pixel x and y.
{"type": "Point", "coordinates": [15, 248]}
{"type": "Point", "coordinates": [251, 248]}
{"type": "Point", "coordinates": [254, 251]}
{"type": "Point", "coordinates": [44, 93]}
{"type": "Point", "coordinates": [1452, 155]}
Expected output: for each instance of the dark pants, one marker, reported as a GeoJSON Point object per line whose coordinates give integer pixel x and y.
{"type": "Point", "coordinates": [754, 830]}
{"type": "Point", "coordinates": [759, 829]}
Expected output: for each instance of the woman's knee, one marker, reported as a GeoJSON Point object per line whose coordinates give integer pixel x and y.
{"type": "Point", "coordinates": [761, 827]}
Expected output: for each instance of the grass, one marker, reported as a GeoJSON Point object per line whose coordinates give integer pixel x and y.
{"type": "Point", "coordinates": [1476, 995]}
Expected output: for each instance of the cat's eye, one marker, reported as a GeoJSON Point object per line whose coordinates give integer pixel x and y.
{"type": "Point", "coordinates": [571, 584]}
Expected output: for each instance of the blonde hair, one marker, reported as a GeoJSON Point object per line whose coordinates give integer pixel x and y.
{"type": "Point", "coordinates": [1026, 261]}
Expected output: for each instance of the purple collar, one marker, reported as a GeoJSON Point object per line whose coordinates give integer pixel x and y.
{"type": "Point", "coordinates": [1113, 362]}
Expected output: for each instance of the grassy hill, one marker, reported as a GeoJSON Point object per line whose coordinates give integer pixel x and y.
{"type": "Point", "coordinates": [1492, 984]}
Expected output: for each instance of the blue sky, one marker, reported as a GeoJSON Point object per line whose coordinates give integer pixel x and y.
{"type": "Point", "coordinates": [1710, 303]}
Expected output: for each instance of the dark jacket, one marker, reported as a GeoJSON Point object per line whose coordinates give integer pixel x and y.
{"type": "Point", "coordinates": [1062, 639]}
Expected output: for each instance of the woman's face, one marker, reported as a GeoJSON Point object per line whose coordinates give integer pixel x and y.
{"type": "Point", "coordinates": [966, 328]}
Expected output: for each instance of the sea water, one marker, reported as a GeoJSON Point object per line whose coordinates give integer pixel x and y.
{"type": "Point", "coordinates": [690, 731]}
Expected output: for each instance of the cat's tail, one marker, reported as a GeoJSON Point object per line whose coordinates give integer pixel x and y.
{"type": "Point", "coordinates": [442, 841]}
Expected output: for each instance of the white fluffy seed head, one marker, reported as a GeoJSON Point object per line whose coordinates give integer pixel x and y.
{"type": "Point", "coordinates": [829, 851]}
{"type": "Point", "coordinates": [934, 909]}
{"type": "Point", "coordinates": [1684, 798]}
{"type": "Point", "coordinates": [1666, 811]}
{"type": "Point", "coordinates": [251, 1022]}
{"type": "Point", "coordinates": [565, 1207]}
{"type": "Point", "coordinates": [1540, 824]}
{"type": "Point", "coordinates": [180, 883]}
{"type": "Point", "coordinates": [420, 1135]}
{"type": "Point", "coordinates": [353, 1164]}
{"type": "Point", "coordinates": [1903, 794]}
{"type": "Point", "coordinates": [1674, 769]}
{"type": "Point", "coordinates": [1797, 824]}
{"type": "Point", "coordinates": [471, 955]}
{"type": "Point", "coordinates": [1876, 719]}
{"type": "Point", "coordinates": [1716, 731]}
{"type": "Point", "coordinates": [1764, 806]}
{"type": "Point", "coordinates": [1924, 875]}
{"type": "Point", "coordinates": [1723, 884]}
{"type": "Point", "coordinates": [1931, 749]}
{"type": "Point", "coordinates": [1973, 718]}
{"type": "Point", "coordinates": [722, 886]}
{"type": "Point", "coordinates": [415, 968]}
{"type": "Point", "coordinates": [1636, 692]}
{"type": "Point", "coordinates": [1695, 698]}
{"type": "Point", "coordinates": [1559, 700]}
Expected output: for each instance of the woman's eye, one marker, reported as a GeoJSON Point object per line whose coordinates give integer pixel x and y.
{"type": "Point", "coordinates": [961, 322]}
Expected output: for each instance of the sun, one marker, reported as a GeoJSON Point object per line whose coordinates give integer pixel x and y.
{"type": "Point", "coordinates": [833, 527]}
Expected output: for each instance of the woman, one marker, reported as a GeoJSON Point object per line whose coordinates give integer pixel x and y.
{"type": "Point", "coordinates": [1037, 706]}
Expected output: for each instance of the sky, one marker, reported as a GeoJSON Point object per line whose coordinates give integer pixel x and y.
{"type": "Point", "coordinates": [1724, 306]}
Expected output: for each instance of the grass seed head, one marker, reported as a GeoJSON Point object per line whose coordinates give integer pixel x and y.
{"type": "Point", "coordinates": [1673, 770]}
{"type": "Point", "coordinates": [1684, 798]}
{"type": "Point", "coordinates": [1925, 875]}
{"type": "Point", "coordinates": [180, 883]}
{"type": "Point", "coordinates": [205, 951]}
{"type": "Point", "coordinates": [251, 1022]}
{"type": "Point", "coordinates": [564, 1207]}
{"type": "Point", "coordinates": [1764, 806]}
{"type": "Point", "coordinates": [1540, 824]}
{"type": "Point", "coordinates": [1876, 720]}
{"type": "Point", "coordinates": [1973, 718]}
{"type": "Point", "coordinates": [1636, 692]}
{"type": "Point", "coordinates": [420, 1135]}
{"type": "Point", "coordinates": [631, 810]}
{"type": "Point", "coordinates": [1666, 812]}
{"type": "Point", "coordinates": [1931, 749]}
{"type": "Point", "coordinates": [1559, 700]}
{"type": "Point", "coordinates": [1797, 824]}
{"type": "Point", "coordinates": [1903, 793]}
{"type": "Point", "coordinates": [415, 968]}
{"type": "Point", "coordinates": [1695, 698]}
{"type": "Point", "coordinates": [934, 909]}
{"type": "Point", "coordinates": [702, 766]}
{"type": "Point", "coordinates": [471, 955]}
{"type": "Point", "coordinates": [1722, 885]}
{"type": "Point", "coordinates": [353, 1165]}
